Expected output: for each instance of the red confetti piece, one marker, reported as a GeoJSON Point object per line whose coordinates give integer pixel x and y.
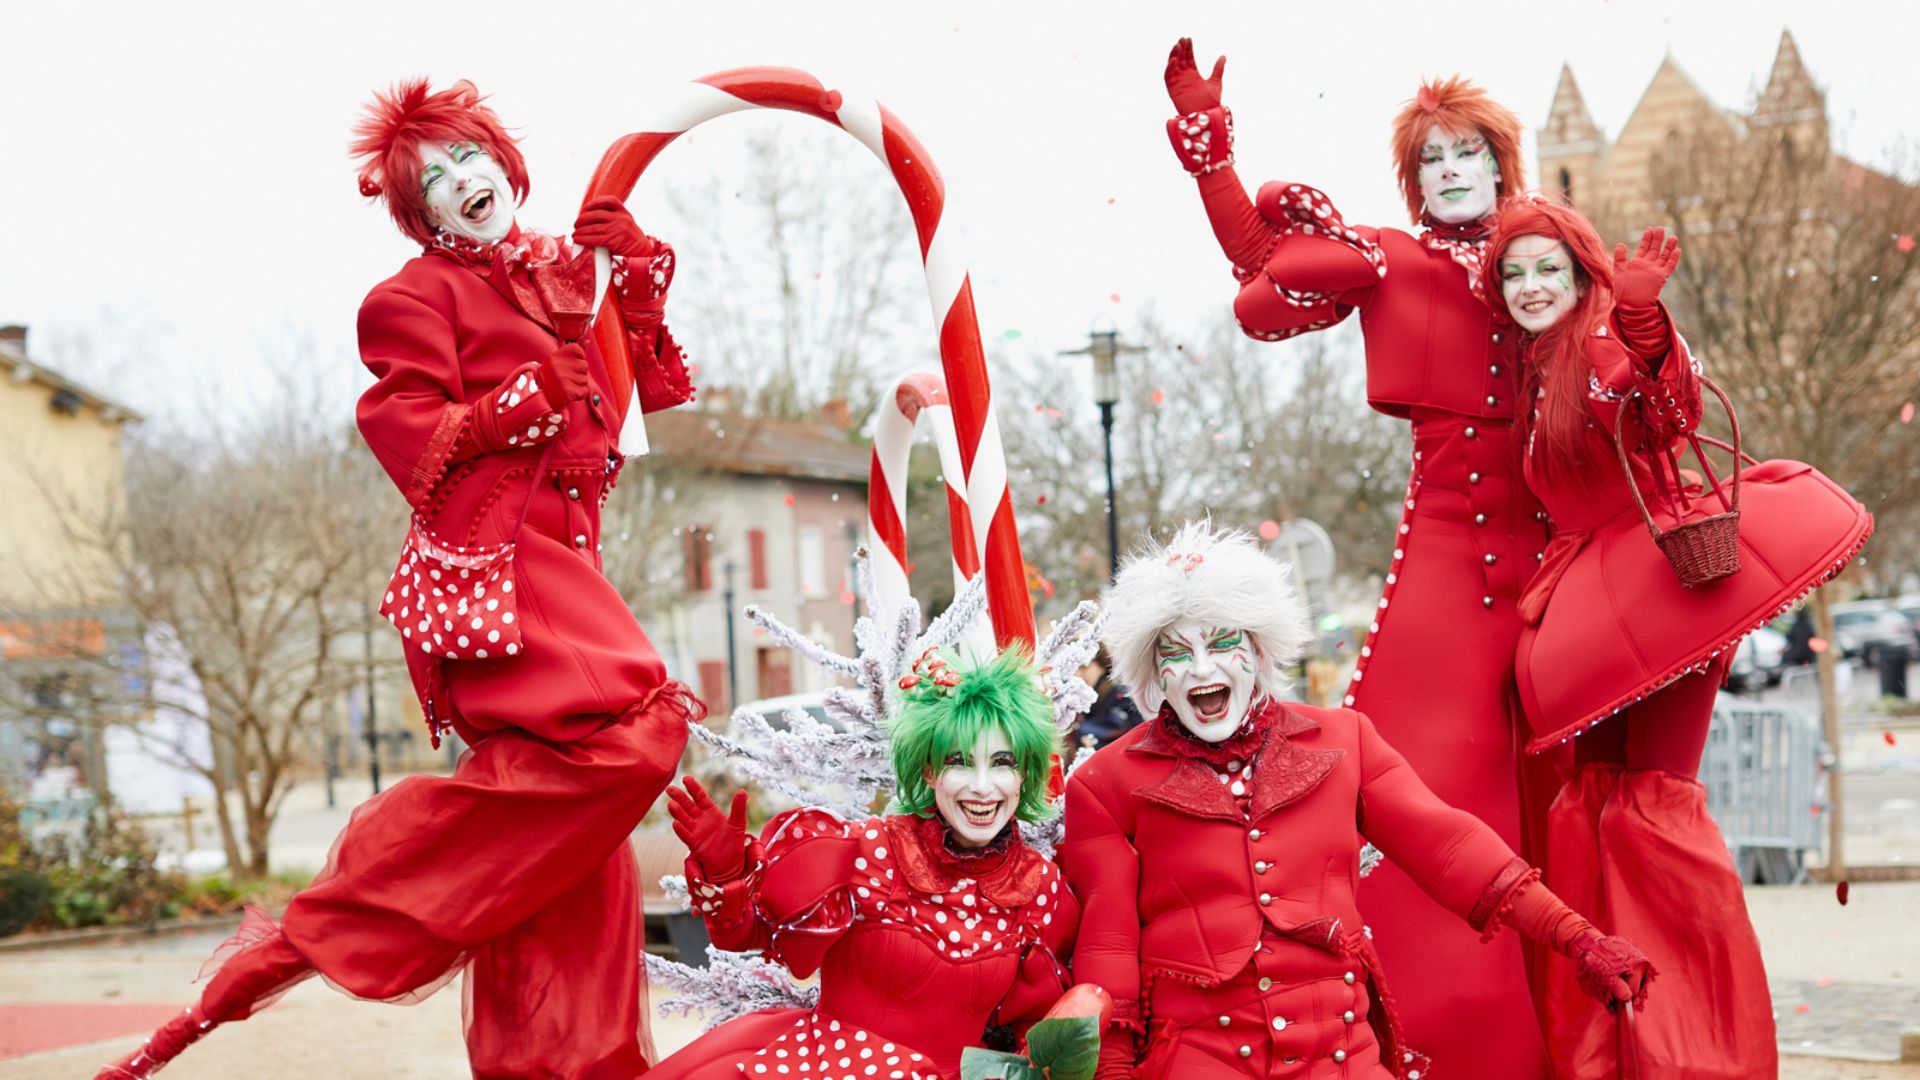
{"type": "Point", "coordinates": [1824, 980]}
{"type": "Point", "coordinates": [1803, 1007]}
{"type": "Point", "coordinates": [846, 597]}
{"type": "Point", "coordinates": [1159, 397]}
{"type": "Point", "coordinates": [1269, 529]}
{"type": "Point", "coordinates": [1887, 735]}
{"type": "Point", "coordinates": [1818, 644]}
{"type": "Point", "coordinates": [1906, 413]}
{"type": "Point", "coordinates": [1042, 500]}
{"type": "Point", "coordinates": [1115, 297]}
{"type": "Point", "coordinates": [1905, 243]}
{"type": "Point", "coordinates": [789, 500]}
{"type": "Point", "coordinates": [1109, 200]}
{"type": "Point", "coordinates": [1840, 893]}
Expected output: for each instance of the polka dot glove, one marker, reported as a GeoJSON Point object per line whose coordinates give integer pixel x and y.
{"type": "Point", "coordinates": [517, 413]}
{"type": "Point", "coordinates": [1204, 140]}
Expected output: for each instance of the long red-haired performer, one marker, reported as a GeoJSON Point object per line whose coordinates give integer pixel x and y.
{"type": "Point", "coordinates": [516, 868]}
{"type": "Point", "coordinates": [1436, 671]}
{"type": "Point", "coordinates": [1616, 647]}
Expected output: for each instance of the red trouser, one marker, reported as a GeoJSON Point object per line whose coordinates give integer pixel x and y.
{"type": "Point", "coordinates": [1632, 849]}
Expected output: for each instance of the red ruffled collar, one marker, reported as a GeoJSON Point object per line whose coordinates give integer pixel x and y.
{"type": "Point", "coordinates": [1009, 872]}
{"type": "Point", "coordinates": [1477, 231]}
{"type": "Point", "coordinates": [521, 248]}
{"type": "Point", "coordinates": [1170, 737]}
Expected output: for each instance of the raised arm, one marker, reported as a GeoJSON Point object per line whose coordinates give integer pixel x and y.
{"type": "Point", "coordinates": [643, 272]}
{"type": "Point", "coordinates": [1667, 404]}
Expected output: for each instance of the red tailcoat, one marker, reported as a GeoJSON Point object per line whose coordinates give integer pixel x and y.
{"type": "Point", "coordinates": [1436, 672]}
{"type": "Point", "coordinates": [918, 949]}
{"type": "Point", "coordinates": [1230, 927]}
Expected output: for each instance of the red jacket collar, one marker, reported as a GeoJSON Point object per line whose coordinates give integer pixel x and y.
{"type": "Point", "coordinates": [1283, 770]}
{"type": "Point", "coordinates": [1008, 871]}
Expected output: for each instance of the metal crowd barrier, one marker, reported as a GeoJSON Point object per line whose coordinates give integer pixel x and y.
{"type": "Point", "coordinates": [1766, 786]}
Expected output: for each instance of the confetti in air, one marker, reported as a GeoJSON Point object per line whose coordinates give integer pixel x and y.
{"type": "Point", "coordinates": [1011, 335]}
{"type": "Point", "coordinates": [1888, 736]}
{"type": "Point", "coordinates": [1840, 893]}
{"type": "Point", "coordinates": [1906, 413]}
{"type": "Point", "coordinates": [1269, 530]}
{"type": "Point", "coordinates": [1818, 644]}
{"type": "Point", "coordinates": [1159, 397]}
{"type": "Point", "coordinates": [1904, 243]}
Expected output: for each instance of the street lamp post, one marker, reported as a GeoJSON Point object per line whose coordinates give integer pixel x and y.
{"type": "Point", "coordinates": [733, 659]}
{"type": "Point", "coordinates": [1104, 345]}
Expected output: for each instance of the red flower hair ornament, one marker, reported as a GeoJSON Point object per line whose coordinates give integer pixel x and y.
{"type": "Point", "coordinates": [394, 124]}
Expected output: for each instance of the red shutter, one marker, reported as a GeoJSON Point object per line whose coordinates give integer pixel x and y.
{"type": "Point", "coordinates": [713, 687]}
{"type": "Point", "coordinates": [757, 557]}
{"type": "Point", "coordinates": [698, 553]}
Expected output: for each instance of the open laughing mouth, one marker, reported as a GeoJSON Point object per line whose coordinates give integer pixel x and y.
{"type": "Point", "coordinates": [1210, 702]}
{"type": "Point", "coordinates": [478, 208]}
{"type": "Point", "coordinates": [980, 814]}
{"type": "Point", "coordinates": [1535, 307]}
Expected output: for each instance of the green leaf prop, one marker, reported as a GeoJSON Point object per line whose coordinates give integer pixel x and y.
{"type": "Point", "coordinates": [980, 1064]}
{"type": "Point", "coordinates": [1066, 1047]}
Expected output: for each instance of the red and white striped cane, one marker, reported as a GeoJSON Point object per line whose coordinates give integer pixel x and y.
{"type": "Point", "coordinates": [988, 506]}
{"type": "Point", "coordinates": [919, 395]}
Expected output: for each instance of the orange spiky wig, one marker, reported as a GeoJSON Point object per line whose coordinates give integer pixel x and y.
{"type": "Point", "coordinates": [388, 138]}
{"type": "Point", "coordinates": [1460, 108]}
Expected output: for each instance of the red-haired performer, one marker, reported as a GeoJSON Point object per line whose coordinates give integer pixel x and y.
{"type": "Point", "coordinates": [516, 868]}
{"type": "Point", "coordinates": [1614, 639]}
{"type": "Point", "coordinates": [1215, 849]}
{"type": "Point", "coordinates": [1436, 671]}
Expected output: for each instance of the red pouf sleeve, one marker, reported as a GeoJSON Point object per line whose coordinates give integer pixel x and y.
{"type": "Point", "coordinates": [794, 896]}
{"type": "Point", "coordinates": [1643, 354]}
{"type": "Point", "coordinates": [1103, 867]}
{"type": "Point", "coordinates": [415, 417]}
{"type": "Point", "coordinates": [1453, 856]}
{"type": "Point", "coordinates": [659, 367]}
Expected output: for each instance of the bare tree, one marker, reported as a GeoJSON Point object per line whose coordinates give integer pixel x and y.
{"type": "Point", "coordinates": [797, 289]}
{"type": "Point", "coordinates": [1800, 291]}
{"type": "Point", "coordinates": [247, 558]}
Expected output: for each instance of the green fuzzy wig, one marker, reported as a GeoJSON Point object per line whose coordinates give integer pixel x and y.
{"type": "Point", "coordinates": [932, 720]}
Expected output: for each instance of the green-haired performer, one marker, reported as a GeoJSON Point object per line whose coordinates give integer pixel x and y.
{"type": "Point", "coordinates": [927, 926]}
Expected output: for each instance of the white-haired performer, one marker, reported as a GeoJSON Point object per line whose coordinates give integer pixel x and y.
{"type": "Point", "coordinates": [1215, 848]}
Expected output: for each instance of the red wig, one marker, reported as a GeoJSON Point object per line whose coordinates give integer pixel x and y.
{"type": "Point", "coordinates": [1461, 109]}
{"type": "Point", "coordinates": [388, 138]}
{"type": "Point", "coordinates": [1555, 361]}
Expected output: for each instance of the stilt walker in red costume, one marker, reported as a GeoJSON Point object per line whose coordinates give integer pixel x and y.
{"type": "Point", "coordinates": [1436, 672]}
{"type": "Point", "coordinates": [499, 426]}
{"type": "Point", "coordinates": [1215, 848]}
{"type": "Point", "coordinates": [1618, 647]}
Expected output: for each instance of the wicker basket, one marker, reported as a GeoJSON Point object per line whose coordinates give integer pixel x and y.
{"type": "Point", "coordinates": [1708, 549]}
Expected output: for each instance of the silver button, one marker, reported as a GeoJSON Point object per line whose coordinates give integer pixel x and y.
{"type": "Point", "coordinates": [1224, 1021]}
{"type": "Point", "coordinates": [1347, 1017]}
{"type": "Point", "coordinates": [1492, 401]}
{"type": "Point", "coordinates": [1234, 765]}
{"type": "Point", "coordinates": [1246, 1051]}
{"type": "Point", "coordinates": [1539, 556]}
{"type": "Point", "coordinates": [596, 400]}
{"type": "Point", "coordinates": [1471, 432]}
{"type": "Point", "coordinates": [1486, 601]}
{"type": "Point", "coordinates": [599, 547]}
{"type": "Point", "coordinates": [1473, 478]}
{"type": "Point", "coordinates": [1339, 1056]}
{"type": "Point", "coordinates": [1266, 983]}
{"type": "Point", "coordinates": [1266, 898]}
{"type": "Point", "coordinates": [580, 540]}
{"type": "Point", "coordinates": [1279, 1023]}
{"type": "Point", "coordinates": [1261, 867]}
{"type": "Point", "coordinates": [1496, 339]}
{"type": "Point", "coordinates": [1490, 558]}
{"type": "Point", "coordinates": [1479, 519]}
{"type": "Point", "coordinates": [1347, 978]}
{"type": "Point", "coordinates": [1493, 369]}
{"type": "Point", "coordinates": [574, 494]}
{"type": "Point", "coordinates": [1254, 835]}
{"type": "Point", "coordinates": [1539, 515]}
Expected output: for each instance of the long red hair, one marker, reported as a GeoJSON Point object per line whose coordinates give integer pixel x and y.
{"type": "Point", "coordinates": [387, 140]}
{"type": "Point", "coordinates": [1461, 109]}
{"type": "Point", "coordinates": [1556, 361]}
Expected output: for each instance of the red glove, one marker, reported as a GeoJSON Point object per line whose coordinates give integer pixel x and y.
{"type": "Point", "coordinates": [1637, 281]}
{"type": "Point", "coordinates": [1190, 92]}
{"type": "Point", "coordinates": [605, 222]}
{"type": "Point", "coordinates": [563, 376]}
{"type": "Point", "coordinates": [1612, 969]}
{"type": "Point", "coordinates": [718, 841]}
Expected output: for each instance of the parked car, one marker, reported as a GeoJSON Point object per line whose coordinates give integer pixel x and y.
{"type": "Point", "coordinates": [1864, 627]}
{"type": "Point", "coordinates": [1759, 661]}
{"type": "Point", "coordinates": [812, 702]}
{"type": "Point", "coordinates": [1909, 606]}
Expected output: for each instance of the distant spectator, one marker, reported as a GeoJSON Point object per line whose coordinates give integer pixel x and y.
{"type": "Point", "coordinates": [1113, 713]}
{"type": "Point", "coordinates": [1799, 641]}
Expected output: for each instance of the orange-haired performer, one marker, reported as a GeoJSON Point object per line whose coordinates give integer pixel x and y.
{"type": "Point", "coordinates": [1436, 672]}
{"type": "Point", "coordinates": [516, 868]}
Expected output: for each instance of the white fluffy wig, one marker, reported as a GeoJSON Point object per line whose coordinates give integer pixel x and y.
{"type": "Point", "coordinates": [1214, 577]}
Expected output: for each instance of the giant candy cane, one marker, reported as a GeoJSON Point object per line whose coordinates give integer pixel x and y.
{"type": "Point", "coordinates": [988, 506]}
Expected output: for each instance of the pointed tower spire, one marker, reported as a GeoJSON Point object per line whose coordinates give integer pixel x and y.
{"type": "Point", "coordinates": [1570, 127]}
{"type": "Point", "coordinates": [1790, 96]}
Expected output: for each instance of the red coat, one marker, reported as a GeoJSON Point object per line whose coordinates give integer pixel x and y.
{"type": "Point", "coordinates": [456, 418]}
{"type": "Point", "coordinates": [1198, 911]}
{"type": "Point", "coordinates": [1613, 622]}
{"type": "Point", "coordinates": [918, 950]}
{"type": "Point", "coordinates": [1436, 671]}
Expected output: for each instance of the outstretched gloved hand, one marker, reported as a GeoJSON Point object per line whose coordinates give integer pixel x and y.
{"type": "Point", "coordinates": [605, 222]}
{"type": "Point", "coordinates": [1190, 92]}
{"type": "Point", "coordinates": [718, 841]}
{"type": "Point", "coordinates": [1637, 281]}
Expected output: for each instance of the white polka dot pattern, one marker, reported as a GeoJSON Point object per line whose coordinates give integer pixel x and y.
{"type": "Point", "coordinates": [823, 1048]}
{"type": "Point", "coordinates": [452, 602]}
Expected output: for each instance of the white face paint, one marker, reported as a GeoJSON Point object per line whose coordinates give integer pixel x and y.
{"type": "Point", "coordinates": [465, 191]}
{"type": "Point", "coordinates": [1458, 176]}
{"type": "Point", "coordinates": [1538, 282]}
{"type": "Point", "coordinates": [1207, 673]}
{"type": "Point", "coordinates": [977, 790]}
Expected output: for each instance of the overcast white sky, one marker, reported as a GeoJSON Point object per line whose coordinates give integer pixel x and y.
{"type": "Point", "coordinates": [182, 165]}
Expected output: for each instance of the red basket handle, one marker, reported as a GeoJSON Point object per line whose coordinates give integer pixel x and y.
{"type": "Point", "coordinates": [1626, 466]}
